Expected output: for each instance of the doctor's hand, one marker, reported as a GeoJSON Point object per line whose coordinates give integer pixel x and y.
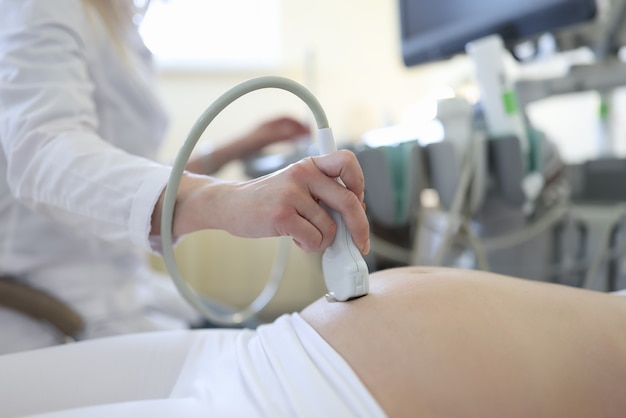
{"type": "Point", "coordinates": [273, 131]}
{"type": "Point", "coordinates": [285, 203]}
{"type": "Point", "coordinates": [281, 129]}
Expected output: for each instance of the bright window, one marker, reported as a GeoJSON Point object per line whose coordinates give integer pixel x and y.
{"type": "Point", "coordinates": [213, 34]}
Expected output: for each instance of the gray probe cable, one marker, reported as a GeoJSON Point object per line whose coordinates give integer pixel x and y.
{"type": "Point", "coordinates": [202, 304]}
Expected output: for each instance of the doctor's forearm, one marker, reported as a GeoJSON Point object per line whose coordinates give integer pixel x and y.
{"type": "Point", "coordinates": [194, 207]}
{"type": "Point", "coordinates": [284, 203]}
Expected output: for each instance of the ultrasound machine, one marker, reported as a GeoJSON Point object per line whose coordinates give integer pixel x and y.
{"type": "Point", "coordinates": [492, 192]}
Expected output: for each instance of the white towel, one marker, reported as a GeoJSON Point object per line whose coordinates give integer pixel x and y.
{"type": "Point", "coordinates": [283, 369]}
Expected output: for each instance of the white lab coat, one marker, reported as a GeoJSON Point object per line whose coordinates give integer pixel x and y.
{"type": "Point", "coordinates": [79, 126]}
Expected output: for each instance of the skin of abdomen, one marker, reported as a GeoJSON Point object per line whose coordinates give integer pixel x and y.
{"type": "Point", "coordinates": [433, 342]}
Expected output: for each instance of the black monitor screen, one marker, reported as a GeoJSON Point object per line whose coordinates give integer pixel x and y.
{"type": "Point", "coordinates": [437, 29]}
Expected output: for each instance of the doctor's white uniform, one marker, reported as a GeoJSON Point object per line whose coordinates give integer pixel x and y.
{"type": "Point", "coordinates": [80, 125]}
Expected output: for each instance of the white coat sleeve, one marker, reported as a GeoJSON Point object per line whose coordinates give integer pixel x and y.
{"type": "Point", "coordinates": [57, 163]}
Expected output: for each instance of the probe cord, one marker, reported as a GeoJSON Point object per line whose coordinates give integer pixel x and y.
{"type": "Point", "coordinates": [203, 305]}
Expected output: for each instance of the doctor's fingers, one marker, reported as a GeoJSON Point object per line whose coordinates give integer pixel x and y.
{"type": "Point", "coordinates": [310, 226]}
{"type": "Point", "coordinates": [349, 206]}
{"type": "Point", "coordinates": [309, 184]}
{"type": "Point", "coordinates": [345, 165]}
